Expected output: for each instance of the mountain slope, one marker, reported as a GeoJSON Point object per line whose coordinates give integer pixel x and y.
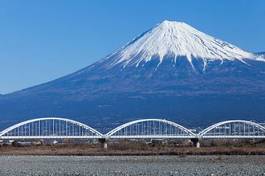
{"type": "Point", "coordinates": [172, 71]}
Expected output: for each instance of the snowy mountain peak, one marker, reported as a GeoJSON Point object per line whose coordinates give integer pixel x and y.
{"type": "Point", "coordinates": [177, 39]}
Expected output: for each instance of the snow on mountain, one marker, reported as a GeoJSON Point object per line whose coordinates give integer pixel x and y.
{"type": "Point", "coordinates": [260, 55]}
{"type": "Point", "coordinates": [177, 39]}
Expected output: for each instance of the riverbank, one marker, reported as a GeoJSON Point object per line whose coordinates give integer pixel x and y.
{"type": "Point", "coordinates": [132, 165]}
{"type": "Point", "coordinates": [95, 150]}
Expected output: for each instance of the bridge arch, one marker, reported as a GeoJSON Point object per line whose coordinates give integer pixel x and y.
{"type": "Point", "coordinates": [150, 128]}
{"type": "Point", "coordinates": [48, 128]}
{"type": "Point", "coordinates": [234, 129]}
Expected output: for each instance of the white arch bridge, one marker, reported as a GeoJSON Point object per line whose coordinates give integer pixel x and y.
{"type": "Point", "coordinates": [62, 128]}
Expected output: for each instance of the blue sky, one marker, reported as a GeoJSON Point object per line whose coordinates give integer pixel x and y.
{"type": "Point", "coordinates": [41, 40]}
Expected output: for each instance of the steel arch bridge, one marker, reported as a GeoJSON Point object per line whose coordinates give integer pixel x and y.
{"type": "Point", "coordinates": [62, 128]}
{"type": "Point", "coordinates": [50, 128]}
{"type": "Point", "coordinates": [236, 129]}
{"type": "Point", "coordinates": [150, 128]}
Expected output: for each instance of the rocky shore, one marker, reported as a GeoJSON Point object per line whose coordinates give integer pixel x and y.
{"type": "Point", "coordinates": [132, 165]}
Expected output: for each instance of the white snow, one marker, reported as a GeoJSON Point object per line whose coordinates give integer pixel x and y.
{"type": "Point", "coordinates": [261, 57]}
{"type": "Point", "coordinates": [179, 39]}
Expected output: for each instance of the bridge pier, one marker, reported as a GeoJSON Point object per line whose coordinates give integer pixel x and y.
{"type": "Point", "coordinates": [198, 145]}
{"type": "Point", "coordinates": [196, 142]}
{"type": "Point", "coordinates": [103, 142]}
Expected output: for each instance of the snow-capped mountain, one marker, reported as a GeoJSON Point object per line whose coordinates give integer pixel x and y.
{"type": "Point", "coordinates": [172, 71]}
{"type": "Point", "coordinates": [177, 39]}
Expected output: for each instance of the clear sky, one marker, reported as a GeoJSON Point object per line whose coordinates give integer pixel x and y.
{"type": "Point", "coordinates": [41, 40]}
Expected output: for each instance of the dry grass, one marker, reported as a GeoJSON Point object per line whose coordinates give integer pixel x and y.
{"type": "Point", "coordinates": [133, 148]}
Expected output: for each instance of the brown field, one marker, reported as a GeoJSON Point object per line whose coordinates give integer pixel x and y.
{"type": "Point", "coordinates": [139, 148]}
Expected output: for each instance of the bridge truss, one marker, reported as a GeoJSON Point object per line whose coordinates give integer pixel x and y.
{"type": "Point", "coordinates": [62, 128]}
{"type": "Point", "coordinates": [150, 128]}
{"type": "Point", "coordinates": [50, 128]}
{"type": "Point", "coordinates": [234, 129]}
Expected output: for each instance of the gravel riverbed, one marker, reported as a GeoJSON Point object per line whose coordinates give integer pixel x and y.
{"type": "Point", "coordinates": [131, 165]}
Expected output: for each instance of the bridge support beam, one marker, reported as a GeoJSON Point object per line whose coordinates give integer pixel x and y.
{"type": "Point", "coordinates": [103, 142]}
{"type": "Point", "coordinates": [196, 142]}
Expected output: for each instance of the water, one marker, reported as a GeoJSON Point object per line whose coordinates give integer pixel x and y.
{"type": "Point", "coordinates": [131, 165]}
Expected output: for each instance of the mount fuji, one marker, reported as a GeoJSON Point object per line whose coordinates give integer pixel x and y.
{"type": "Point", "coordinates": [171, 71]}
